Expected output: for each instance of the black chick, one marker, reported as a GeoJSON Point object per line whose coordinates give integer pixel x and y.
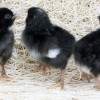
{"type": "Point", "coordinates": [87, 55]}
{"type": "Point", "coordinates": [49, 44]}
{"type": "Point", "coordinates": [6, 37]}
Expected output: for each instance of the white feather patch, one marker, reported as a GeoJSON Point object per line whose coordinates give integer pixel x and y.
{"type": "Point", "coordinates": [52, 53]}
{"type": "Point", "coordinates": [84, 69]}
{"type": "Point", "coordinates": [10, 28]}
{"type": "Point", "coordinates": [35, 54]}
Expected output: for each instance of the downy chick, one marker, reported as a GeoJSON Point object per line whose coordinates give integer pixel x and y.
{"type": "Point", "coordinates": [49, 44]}
{"type": "Point", "coordinates": [87, 55]}
{"type": "Point", "coordinates": [6, 37]}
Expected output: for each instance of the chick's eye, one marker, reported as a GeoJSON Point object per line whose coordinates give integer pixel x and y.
{"type": "Point", "coordinates": [7, 16]}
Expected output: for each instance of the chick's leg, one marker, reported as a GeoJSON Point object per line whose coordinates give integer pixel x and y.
{"type": "Point", "coordinates": [3, 76]}
{"type": "Point", "coordinates": [62, 78]}
{"type": "Point", "coordinates": [3, 70]}
{"type": "Point", "coordinates": [60, 83]}
{"type": "Point", "coordinates": [41, 68]}
{"type": "Point", "coordinates": [97, 82]}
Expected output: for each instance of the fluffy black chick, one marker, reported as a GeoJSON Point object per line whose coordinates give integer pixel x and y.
{"type": "Point", "coordinates": [87, 55]}
{"type": "Point", "coordinates": [49, 44]}
{"type": "Point", "coordinates": [6, 37]}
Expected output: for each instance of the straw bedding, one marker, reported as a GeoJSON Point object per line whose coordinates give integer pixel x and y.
{"type": "Point", "coordinates": [77, 16]}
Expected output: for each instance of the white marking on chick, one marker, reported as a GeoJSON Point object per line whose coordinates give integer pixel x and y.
{"type": "Point", "coordinates": [53, 53]}
{"type": "Point", "coordinates": [35, 54]}
{"type": "Point", "coordinates": [84, 69]}
{"type": "Point", "coordinates": [10, 28]}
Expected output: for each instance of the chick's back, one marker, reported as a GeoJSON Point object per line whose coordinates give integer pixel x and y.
{"type": "Point", "coordinates": [87, 51]}
{"type": "Point", "coordinates": [61, 40]}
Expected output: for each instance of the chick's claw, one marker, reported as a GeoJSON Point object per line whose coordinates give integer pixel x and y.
{"type": "Point", "coordinates": [4, 78]}
{"type": "Point", "coordinates": [54, 86]}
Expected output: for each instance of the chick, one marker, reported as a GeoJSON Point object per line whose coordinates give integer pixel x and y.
{"type": "Point", "coordinates": [6, 37]}
{"type": "Point", "coordinates": [48, 44]}
{"type": "Point", "coordinates": [87, 56]}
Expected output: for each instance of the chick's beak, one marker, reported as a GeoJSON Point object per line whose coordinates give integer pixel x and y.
{"type": "Point", "coordinates": [14, 17]}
